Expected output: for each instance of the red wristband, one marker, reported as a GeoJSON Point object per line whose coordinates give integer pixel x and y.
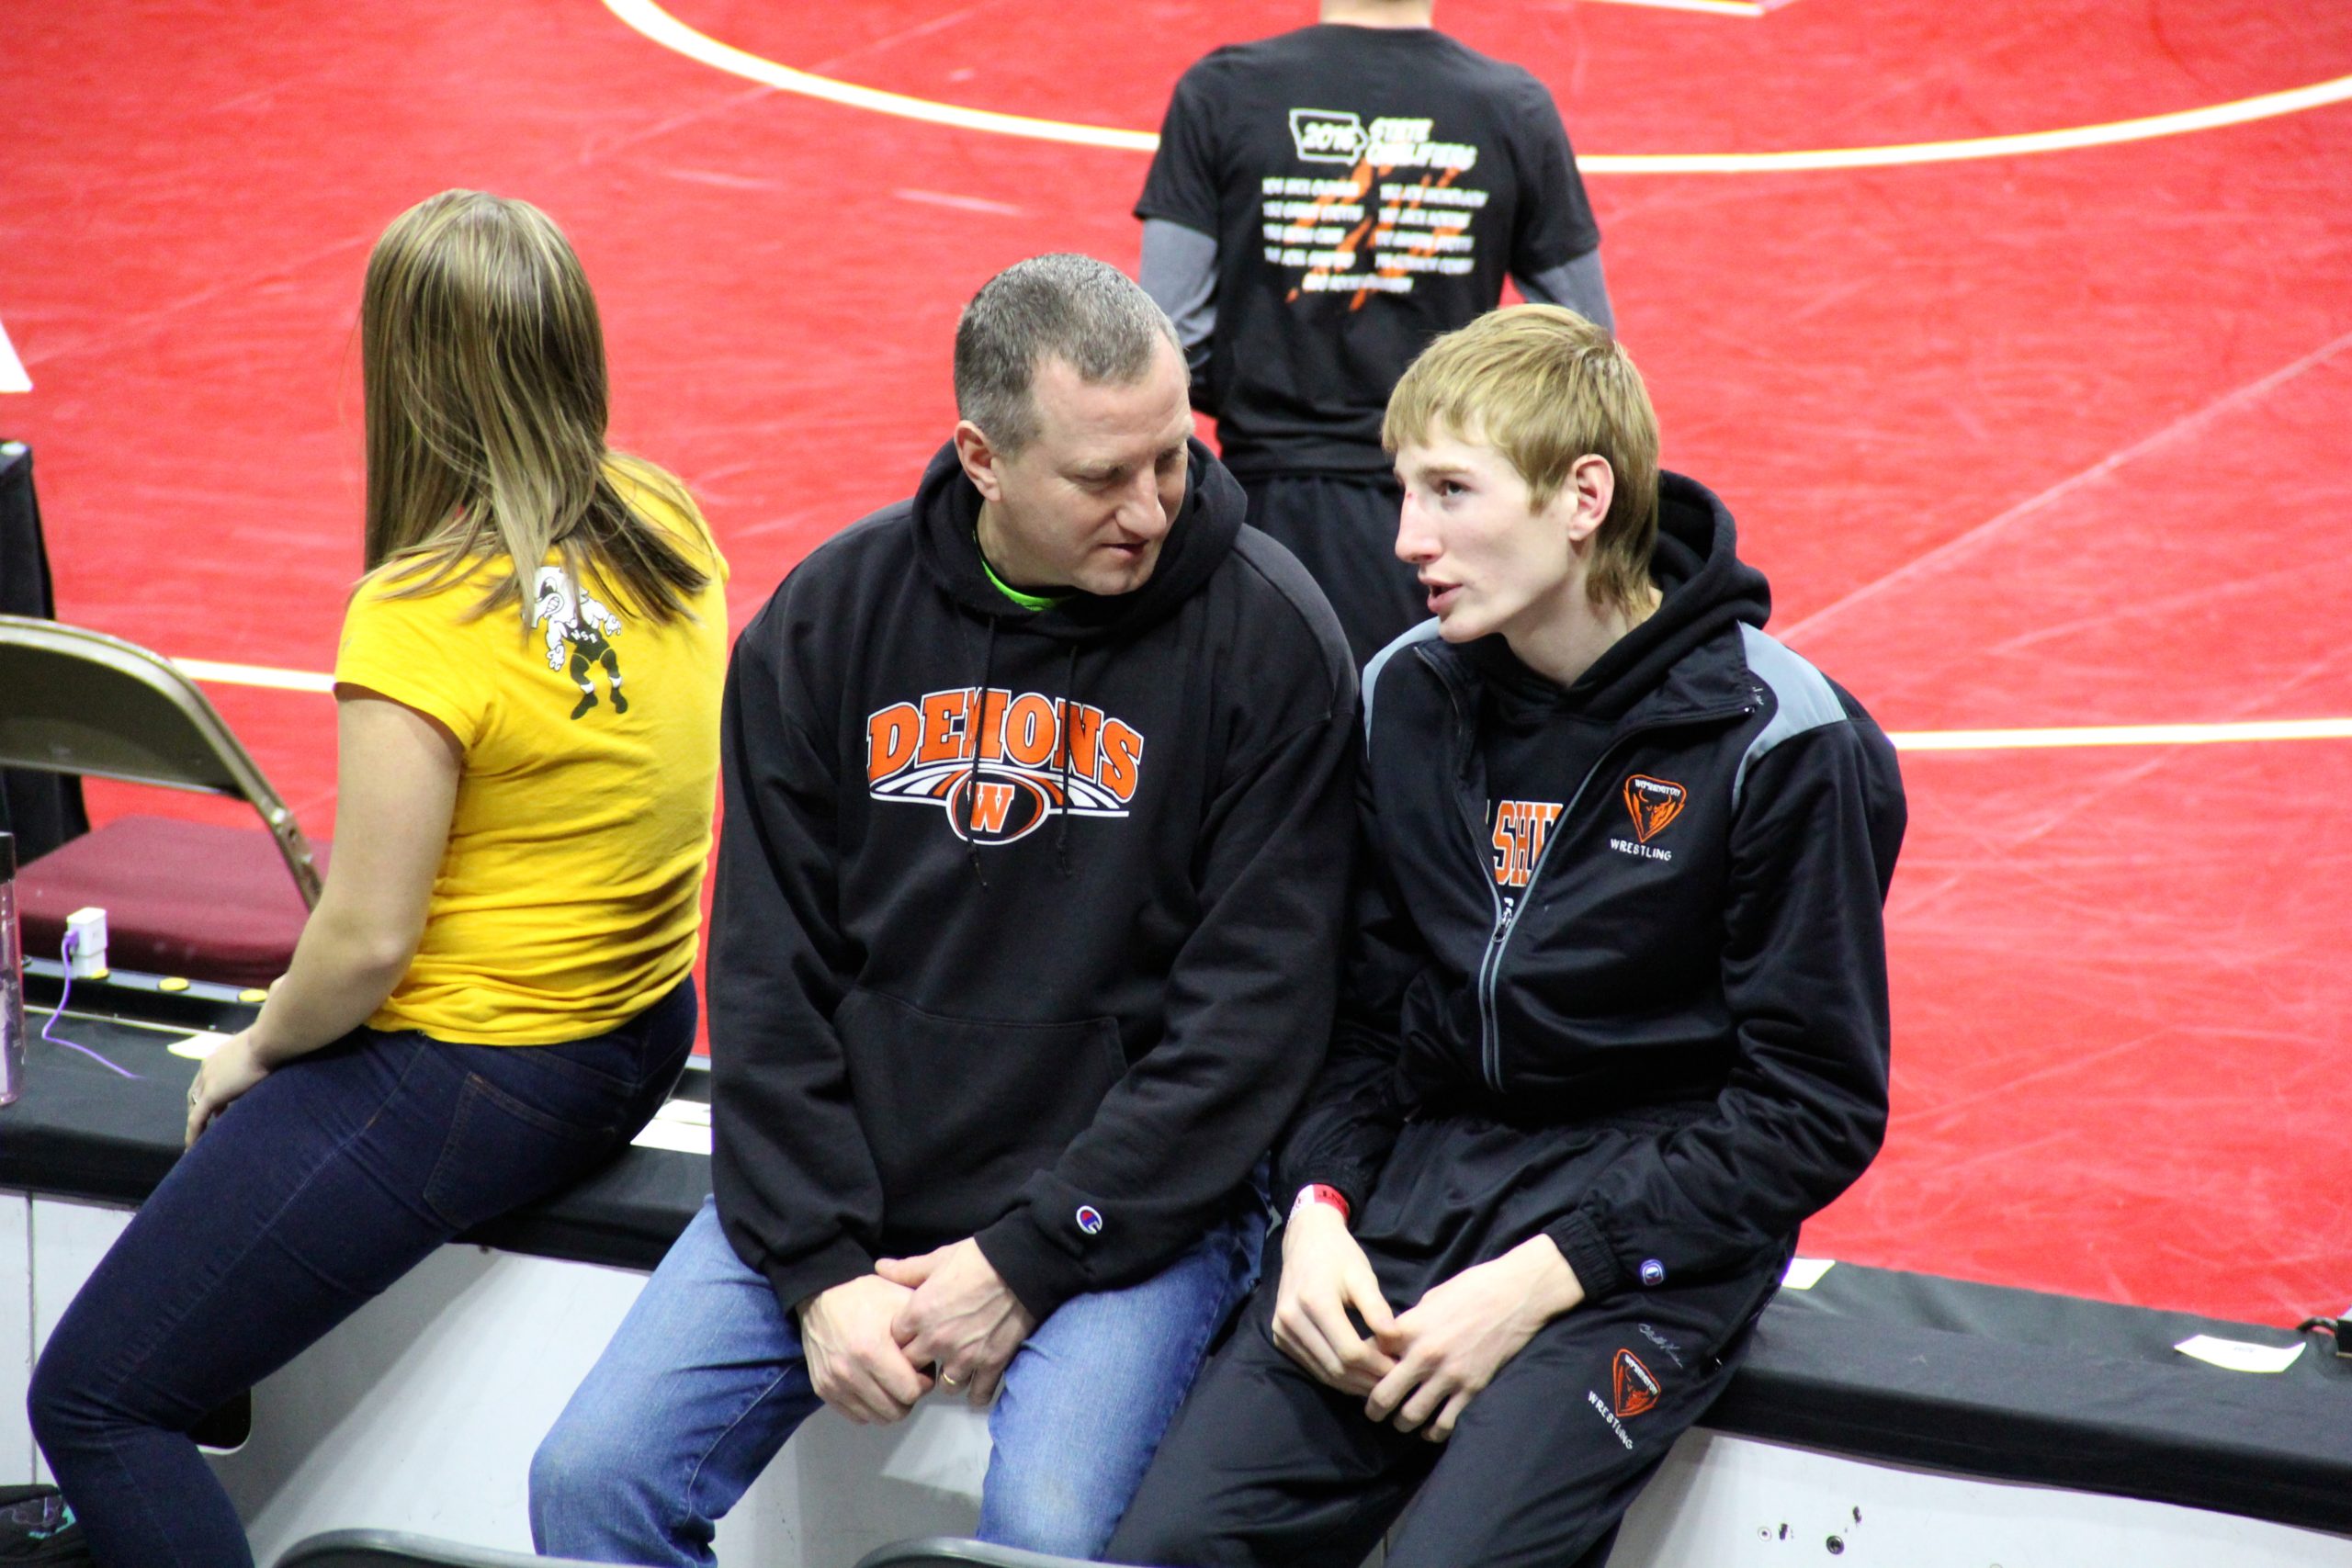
{"type": "Point", "coordinates": [1319, 1192]}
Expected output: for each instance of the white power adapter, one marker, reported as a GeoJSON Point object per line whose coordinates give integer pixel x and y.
{"type": "Point", "coordinates": [85, 944]}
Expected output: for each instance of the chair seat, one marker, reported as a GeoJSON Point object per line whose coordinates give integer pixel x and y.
{"type": "Point", "coordinates": [187, 899]}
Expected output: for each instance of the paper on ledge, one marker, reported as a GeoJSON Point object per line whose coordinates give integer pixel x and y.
{"type": "Point", "coordinates": [682, 1130]}
{"type": "Point", "coordinates": [1804, 1273]}
{"type": "Point", "coordinates": [2239, 1355]}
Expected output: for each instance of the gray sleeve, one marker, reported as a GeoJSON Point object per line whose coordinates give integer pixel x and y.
{"type": "Point", "coordinates": [1179, 272]}
{"type": "Point", "coordinates": [1577, 284]}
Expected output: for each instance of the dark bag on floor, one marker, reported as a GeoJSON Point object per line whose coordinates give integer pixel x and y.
{"type": "Point", "coordinates": [36, 1525]}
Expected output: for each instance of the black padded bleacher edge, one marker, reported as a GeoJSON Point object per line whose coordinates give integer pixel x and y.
{"type": "Point", "coordinates": [1878, 1365]}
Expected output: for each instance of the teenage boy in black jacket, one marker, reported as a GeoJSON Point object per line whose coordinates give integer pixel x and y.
{"type": "Point", "coordinates": [1038, 830]}
{"type": "Point", "coordinates": [1614, 1019]}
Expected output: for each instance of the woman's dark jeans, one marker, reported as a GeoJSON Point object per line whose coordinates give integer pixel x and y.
{"type": "Point", "coordinates": [331, 1179]}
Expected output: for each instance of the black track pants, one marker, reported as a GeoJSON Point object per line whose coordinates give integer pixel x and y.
{"type": "Point", "coordinates": [1343, 531]}
{"type": "Point", "coordinates": [1265, 1466]}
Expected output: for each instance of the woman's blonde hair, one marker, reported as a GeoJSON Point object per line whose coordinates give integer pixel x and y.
{"type": "Point", "coordinates": [1544, 386]}
{"type": "Point", "coordinates": [483, 363]}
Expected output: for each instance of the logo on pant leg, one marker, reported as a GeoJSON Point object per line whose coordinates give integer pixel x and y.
{"type": "Point", "coordinates": [1631, 1385]}
{"type": "Point", "coordinates": [1632, 1389]}
{"type": "Point", "coordinates": [1616, 1427]}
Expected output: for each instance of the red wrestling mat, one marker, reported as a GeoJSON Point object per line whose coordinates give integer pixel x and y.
{"type": "Point", "coordinates": [2045, 439]}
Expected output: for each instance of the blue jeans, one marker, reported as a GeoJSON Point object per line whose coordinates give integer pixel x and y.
{"type": "Point", "coordinates": [331, 1179]}
{"type": "Point", "coordinates": [705, 1381]}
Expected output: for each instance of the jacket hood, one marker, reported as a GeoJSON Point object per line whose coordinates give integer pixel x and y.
{"type": "Point", "coordinates": [1706, 589]}
{"type": "Point", "coordinates": [947, 513]}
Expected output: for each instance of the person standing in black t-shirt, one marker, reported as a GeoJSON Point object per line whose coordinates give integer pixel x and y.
{"type": "Point", "coordinates": [1323, 204]}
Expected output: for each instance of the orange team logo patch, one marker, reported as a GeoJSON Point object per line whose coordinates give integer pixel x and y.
{"type": "Point", "coordinates": [1652, 803]}
{"type": "Point", "coordinates": [1632, 1387]}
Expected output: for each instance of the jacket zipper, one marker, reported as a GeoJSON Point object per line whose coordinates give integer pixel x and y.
{"type": "Point", "coordinates": [1490, 967]}
{"type": "Point", "coordinates": [1502, 912]}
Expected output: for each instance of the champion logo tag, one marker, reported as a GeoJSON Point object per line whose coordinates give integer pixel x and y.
{"type": "Point", "coordinates": [1090, 1219]}
{"type": "Point", "coordinates": [1652, 803]}
{"type": "Point", "coordinates": [1632, 1388]}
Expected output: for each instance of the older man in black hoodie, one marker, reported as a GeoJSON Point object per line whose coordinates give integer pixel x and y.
{"type": "Point", "coordinates": [1037, 826]}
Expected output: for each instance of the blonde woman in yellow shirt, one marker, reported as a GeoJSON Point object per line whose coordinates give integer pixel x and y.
{"type": "Point", "coordinates": [494, 992]}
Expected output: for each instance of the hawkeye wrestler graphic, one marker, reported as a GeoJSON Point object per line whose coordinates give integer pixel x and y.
{"type": "Point", "coordinates": [579, 626]}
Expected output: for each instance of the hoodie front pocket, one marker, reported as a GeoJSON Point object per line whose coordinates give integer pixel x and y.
{"type": "Point", "coordinates": [958, 1112]}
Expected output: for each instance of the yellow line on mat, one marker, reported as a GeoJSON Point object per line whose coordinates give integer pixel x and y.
{"type": "Point", "coordinates": [1905, 740]}
{"type": "Point", "coordinates": [658, 25]}
{"type": "Point", "coordinates": [255, 675]}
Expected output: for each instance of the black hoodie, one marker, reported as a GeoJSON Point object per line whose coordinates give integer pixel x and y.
{"type": "Point", "coordinates": [1697, 962]}
{"type": "Point", "coordinates": [1057, 995]}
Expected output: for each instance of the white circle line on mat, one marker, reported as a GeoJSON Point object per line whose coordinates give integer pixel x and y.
{"type": "Point", "coordinates": [651, 20]}
{"type": "Point", "coordinates": [2122, 735]}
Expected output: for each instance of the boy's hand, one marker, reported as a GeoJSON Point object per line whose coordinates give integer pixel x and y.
{"type": "Point", "coordinates": [1453, 1341]}
{"type": "Point", "coordinates": [1324, 1274]}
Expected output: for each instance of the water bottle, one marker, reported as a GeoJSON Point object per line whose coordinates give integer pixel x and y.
{"type": "Point", "coordinates": [12, 979]}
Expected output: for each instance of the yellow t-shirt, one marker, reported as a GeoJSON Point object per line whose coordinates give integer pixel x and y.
{"type": "Point", "coordinates": [570, 894]}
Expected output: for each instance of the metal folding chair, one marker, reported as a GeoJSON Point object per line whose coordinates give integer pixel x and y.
{"type": "Point", "coordinates": [81, 702]}
{"type": "Point", "coordinates": [182, 897]}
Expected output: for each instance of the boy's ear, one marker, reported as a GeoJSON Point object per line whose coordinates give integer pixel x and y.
{"type": "Point", "coordinates": [1591, 485]}
{"type": "Point", "coordinates": [980, 459]}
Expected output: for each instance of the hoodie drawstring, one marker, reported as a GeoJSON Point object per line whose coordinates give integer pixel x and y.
{"type": "Point", "coordinates": [1069, 723]}
{"type": "Point", "coordinates": [977, 728]}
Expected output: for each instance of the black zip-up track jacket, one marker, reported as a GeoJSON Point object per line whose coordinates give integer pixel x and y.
{"type": "Point", "coordinates": [1052, 969]}
{"type": "Point", "coordinates": [1699, 955]}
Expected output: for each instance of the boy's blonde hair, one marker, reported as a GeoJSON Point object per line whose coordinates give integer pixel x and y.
{"type": "Point", "coordinates": [1544, 386]}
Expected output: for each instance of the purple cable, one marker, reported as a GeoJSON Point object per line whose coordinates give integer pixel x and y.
{"type": "Point", "coordinates": [65, 956]}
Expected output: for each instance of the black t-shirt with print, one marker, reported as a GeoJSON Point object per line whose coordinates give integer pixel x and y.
{"type": "Point", "coordinates": [1368, 188]}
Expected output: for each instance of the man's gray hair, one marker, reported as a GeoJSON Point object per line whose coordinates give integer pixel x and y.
{"type": "Point", "coordinates": [1065, 307]}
